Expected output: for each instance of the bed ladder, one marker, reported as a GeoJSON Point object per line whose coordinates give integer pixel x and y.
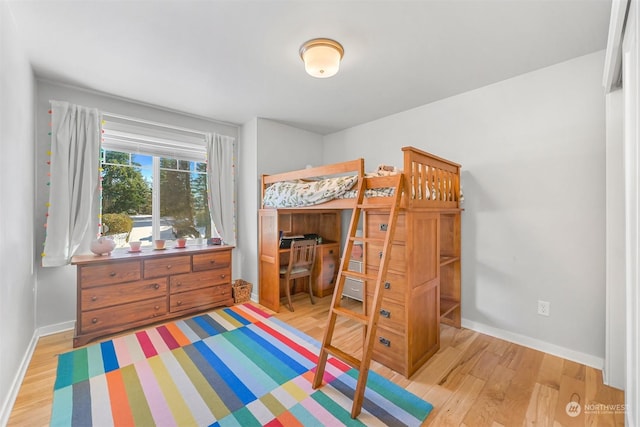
{"type": "Point", "coordinates": [368, 320]}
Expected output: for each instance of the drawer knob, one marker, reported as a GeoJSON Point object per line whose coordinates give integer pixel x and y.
{"type": "Point", "coordinates": [384, 227]}
{"type": "Point", "coordinates": [385, 313]}
{"type": "Point", "coordinates": [212, 262]}
{"type": "Point", "coordinates": [94, 298]}
{"type": "Point", "coordinates": [385, 342]}
{"type": "Point", "coordinates": [179, 303]}
{"type": "Point", "coordinates": [168, 266]}
{"type": "Point", "coordinates": [222, 276]}
{"type": "Point", "coordinates": [387, 285]}
{"type": "Point", "coordinates": [331, 251]}
{"type": "Point", "coordinates": [94, 320]}
{"type": "Point", "coordinates": [179, 284]}
{"type": "Point", "coordinates": [157, 307]}
{"type": "Point", "coordinates": [156, 286]}
{"type": "Point", "coordinates": [112, 274]}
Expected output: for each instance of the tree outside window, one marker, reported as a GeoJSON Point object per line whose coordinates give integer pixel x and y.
{"type": "Point", "coordinates": [127, 192]}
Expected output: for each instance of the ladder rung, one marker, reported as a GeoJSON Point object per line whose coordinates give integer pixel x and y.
{"type": "Point", "coordinates": [380, 203]}
{"type": "Point", "coordinates": [367, 239]}
{"type": "Point", "coordinates": [351, 314]}
{"type": "Point", "coordinates": [345, 357]}
{"type": "Point", "coordinates": [382, 181]}
{"type": "Point", "coordinates": [358, 275]}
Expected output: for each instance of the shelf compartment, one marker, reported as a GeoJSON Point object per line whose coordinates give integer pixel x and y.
{"type": "Point", "coordinates": [449, 311]}
{"type": "Point", "coordinates": [447, 306]}
{"type": "Point", "coordinates": [444, 260]}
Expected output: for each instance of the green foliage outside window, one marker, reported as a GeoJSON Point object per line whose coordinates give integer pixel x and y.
{"type": "Point", "coordinates": [117, 223]}
{"type": "Point", "coordinates": [124, 189]}
{"type": "Point", "coordinates": [183, 197]}
{"type": "Point", "coordinates": [200, 199]}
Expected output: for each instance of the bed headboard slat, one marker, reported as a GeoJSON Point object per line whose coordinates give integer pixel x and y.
{"type": "Point", "coordinates": [430, 181]}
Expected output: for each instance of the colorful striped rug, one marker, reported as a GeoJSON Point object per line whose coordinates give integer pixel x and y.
{"type": "Point", "coordinates": [236, 366]}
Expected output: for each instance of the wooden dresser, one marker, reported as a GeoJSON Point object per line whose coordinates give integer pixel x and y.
{"type": "Point", "coordinates": [408, 331]}
{"type": "Point", "coordinates": [128, 290]}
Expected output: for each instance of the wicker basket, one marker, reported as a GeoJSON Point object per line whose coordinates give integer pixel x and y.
{"type": "Point", "coordinates": [241, 291]}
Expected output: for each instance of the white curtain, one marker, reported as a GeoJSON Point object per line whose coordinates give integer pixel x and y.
{"type": "Point", "coordinates": [73, 208]}
{"type": "Point", "coordinates": [221, 185]}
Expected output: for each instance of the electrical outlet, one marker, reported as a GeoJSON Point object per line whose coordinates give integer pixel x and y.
{"type": "Point", "coordinates": [544, 308]}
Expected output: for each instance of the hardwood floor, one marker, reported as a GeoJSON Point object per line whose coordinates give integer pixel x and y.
{"type": "Point", "coordinates": [474, 380]}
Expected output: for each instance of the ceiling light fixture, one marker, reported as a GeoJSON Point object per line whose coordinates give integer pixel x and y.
{"type": "Point", "coordinates": [321, 57]}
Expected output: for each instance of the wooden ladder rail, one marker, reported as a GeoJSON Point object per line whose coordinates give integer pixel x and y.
{"type": "Point", "coordinates": [368, 320]}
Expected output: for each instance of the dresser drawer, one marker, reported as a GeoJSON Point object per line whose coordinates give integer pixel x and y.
{"type": "Point", "coordinates": [394, 286]}
{"type": "Point", "coordinates": [123, 315]}
{"type": "Point", "coordinates": [392, 314]}
{"type": "Point", "coordinates": [166, 266]}
{"type": "Point", "coordinates": [353, 289]}
{"type": "Point", "coordinates": [202, 279]}
{"type": "Point", "coordinates": [377, 223]}
{"type": "Point", "coordinates": [397, 261]}
{"type": "Point", "coordinates": [105, 274]}
{"type": "Point", "coordinates": [199, 298]}
{"type": "Point", "coordinates": [212, 260]}
{"type": "Point", "coordinates": [389, 349]}
{"type": "Point", "coordinates": [105, 296]}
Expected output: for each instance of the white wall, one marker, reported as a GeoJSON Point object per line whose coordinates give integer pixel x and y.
{"type": "Point", "coordinates": [17, 277]}
{"type": "Point", "coordinates": [248, 204]}
{"type": "Point", "coordinates": [56, 290]}
{"type": "Point", "coordinates": [267, 147]}
{"type": "Point", "coordinates": [283, 148]}
{"type": "Point", "coordinates": [532, 150]}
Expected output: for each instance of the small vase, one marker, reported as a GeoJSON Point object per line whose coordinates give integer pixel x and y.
{"type": "Point", "coordinates": [102, 245]}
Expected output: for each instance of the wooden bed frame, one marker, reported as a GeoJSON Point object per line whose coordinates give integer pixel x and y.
{"type": "Point", "coordinates": [423, 285]}
{"type": "Point", "coordinates": [423, 174]}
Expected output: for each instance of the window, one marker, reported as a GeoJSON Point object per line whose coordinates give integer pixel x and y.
{"type": "Point", "coordinates": [183, 197]}
{"type": "Point", "coordinates": [154, 183]}
{"type": "Point", "coordinates": [129, 191]}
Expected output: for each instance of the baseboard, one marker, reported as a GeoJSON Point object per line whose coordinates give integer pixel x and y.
{"type": "Point", "coordinates": [26, 360]}
{"type": "Point", "coordinates": [7, 405]}
{"type": "Point", "coordinates": [546, 347]}
{"type": "Point", "coordinates": [54, 329]}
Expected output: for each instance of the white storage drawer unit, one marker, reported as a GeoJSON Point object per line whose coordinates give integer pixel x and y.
{"type": "Point", "coordinates": [352, 287]}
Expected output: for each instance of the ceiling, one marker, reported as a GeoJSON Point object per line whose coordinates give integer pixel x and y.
{"type": "Point", "coordinates": [235, 60]}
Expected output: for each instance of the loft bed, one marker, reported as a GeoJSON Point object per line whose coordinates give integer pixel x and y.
{"type": "Point", "coordinates": [429, 182]}
{"type": "Point", "coordinates": [422, 286]}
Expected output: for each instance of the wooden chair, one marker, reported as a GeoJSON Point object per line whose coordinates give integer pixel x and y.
{"type": "Point", "coordinates": [301, 259]}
